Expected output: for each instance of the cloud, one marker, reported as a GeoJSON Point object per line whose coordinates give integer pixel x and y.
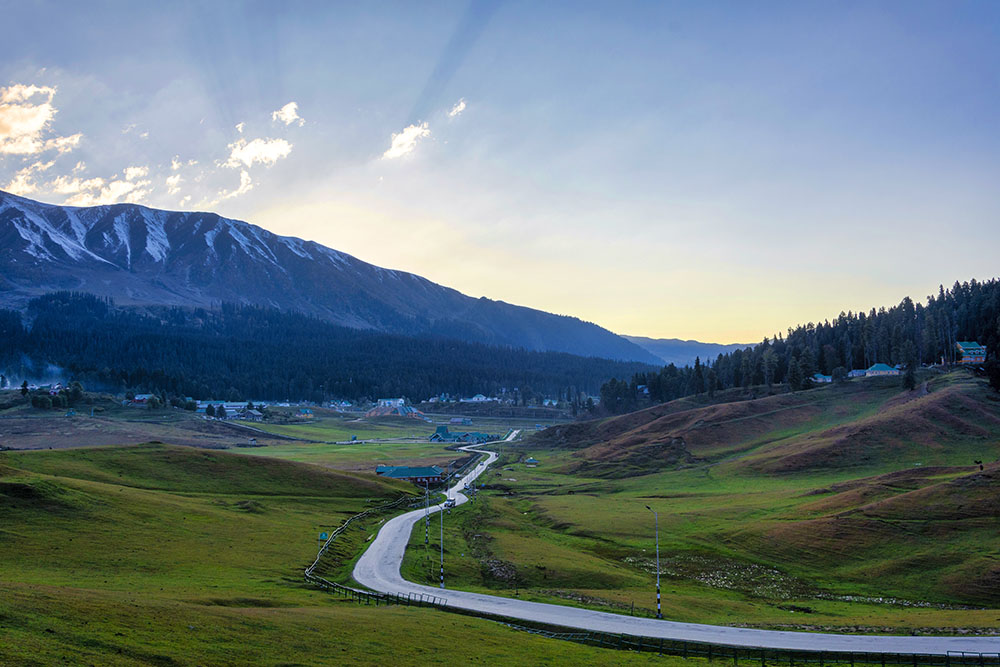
{"type": "Point", "coordinates": [404, 142]}
{"type": "Point", "coordinates": [134, 173]}
{"type": "Point", "coordinates": [64, 185]}
{"type": "Point", "coordinates": [263, 151]}
{"type": "Point", "coordinates": [176, 163]}
{"type": "Point", "coordinates": [26, 113]}
{"type": "Point", "coordinates": [131, 188]}
{"type": "Point", "coordinates": [174, 184]}
{"type": "Point", "coordinates": [23, 182]}
{"type": "Point", "coordinates": [288, 114]}
{"type": "Point", "coordinates": [246, 185]}
{"type": "Point", "coordinates": [457, 109]}
{"type": "Point", "coordinates": [240, 126]}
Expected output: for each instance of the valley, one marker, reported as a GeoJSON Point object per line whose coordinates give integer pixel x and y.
{"type": "Point", "coordinates": [895, 535]}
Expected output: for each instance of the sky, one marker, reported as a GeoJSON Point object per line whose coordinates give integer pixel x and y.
{"type": "Point", "coordinates": [717, 171]}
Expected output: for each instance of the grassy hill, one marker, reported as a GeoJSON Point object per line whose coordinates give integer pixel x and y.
{"type": "Point", "coordinates": [166, 555]}
{"type": "Point", "coordinates": [850, 506]}
{"type": "Point", "coordinates": [863, 424]}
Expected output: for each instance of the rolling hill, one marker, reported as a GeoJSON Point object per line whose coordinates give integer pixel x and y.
{"type": "Point", "coordinates": [861, 424]}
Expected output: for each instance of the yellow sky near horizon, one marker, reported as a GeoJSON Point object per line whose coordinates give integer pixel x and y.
{"type": "Point", "coordinates": [624, 287]}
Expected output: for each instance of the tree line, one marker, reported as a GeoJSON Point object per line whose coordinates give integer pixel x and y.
{"type": "Point", "coordinates": [241, 352]}
{"type": "Point", "coordinates": [908, 334]}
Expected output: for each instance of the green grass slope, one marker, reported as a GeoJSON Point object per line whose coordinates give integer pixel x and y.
{"type": "Point", "coordinates": [159, 555]}
{"type": "Point", "coordinates": [869, 423]}
{"type": "Point", "coordinates": [853, 506]}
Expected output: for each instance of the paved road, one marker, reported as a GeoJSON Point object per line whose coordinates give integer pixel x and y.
{"type": "Point", "coordinates": [378, 569]}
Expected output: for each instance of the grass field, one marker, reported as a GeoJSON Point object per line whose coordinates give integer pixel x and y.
{"type": "Point", "coordinates": [388, 441]}
{"type": "Point", "coordinates": [169, 555]}
{"type": "Point", "coordinates": [746, 536]}
{"type": "Point", "coordinates": [360, 457]}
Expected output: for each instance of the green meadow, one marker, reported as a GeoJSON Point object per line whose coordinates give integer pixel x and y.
{"type": "Point", "coordinates": [161, 555]}
{"type": "Point", "coordinates": [895, 532]}
{"type": "Point", "coordinates": [329, 426]}
{"type": "Point", "coordinates": [361, 456]}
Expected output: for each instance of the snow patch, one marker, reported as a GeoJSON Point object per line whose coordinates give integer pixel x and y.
{"type": "Point", "coordinates": [333, 255]}
{"type": "Point", "coordinates": [246, 244]}
{"type": "Point", "coordinates": [210, 240]}
{"type": "Point", "coordinates": [296, 246]}
{"type": "Point", "coordinates": [157, 244]}
{"type": "Point", "coordinates": [122, 236]}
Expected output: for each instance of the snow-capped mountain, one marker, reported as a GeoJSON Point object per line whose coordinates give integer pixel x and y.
{"type": "Point", "coordinates": [145, 256]}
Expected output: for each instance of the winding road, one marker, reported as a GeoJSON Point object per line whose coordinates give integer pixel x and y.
{"type": "Point", "coordinates": [378, 569]}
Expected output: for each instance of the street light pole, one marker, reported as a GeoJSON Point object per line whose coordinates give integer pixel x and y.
{"type": "Point", "coordinates": [441, 512]}
{"type": "Point", "coordinates": [656, 520]}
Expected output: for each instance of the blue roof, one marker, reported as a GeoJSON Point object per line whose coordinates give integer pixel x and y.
{"type": "Point", "coordinates": [881, 367]}
{"type": "Point", "coordinates": [404, 472]}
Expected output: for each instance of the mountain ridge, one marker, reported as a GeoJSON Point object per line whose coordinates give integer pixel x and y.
{"type": "Point", "coordinates": [683, 352]}
{"type": "Point", "coordinates": [144, 256]}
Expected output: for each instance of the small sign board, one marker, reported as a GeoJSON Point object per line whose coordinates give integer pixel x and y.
{"type": "Point", "coordinates": [323, 537]}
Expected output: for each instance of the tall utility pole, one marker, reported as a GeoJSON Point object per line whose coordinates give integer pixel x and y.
{"type": "Point", "coordinates": [427, 513]}
{"type": "Point", "coordinates": [441, 512]}
{"type": "Point", "coordinates": [656, 520]}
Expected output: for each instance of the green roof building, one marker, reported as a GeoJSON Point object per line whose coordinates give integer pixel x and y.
{"type": "Point", "coordinates": [417, 475]}
{"type": "Point", "coordinates": [971, 352]}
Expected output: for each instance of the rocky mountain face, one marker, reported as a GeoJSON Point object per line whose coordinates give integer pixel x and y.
{"type": "Point", "coordinates": [143, 256]}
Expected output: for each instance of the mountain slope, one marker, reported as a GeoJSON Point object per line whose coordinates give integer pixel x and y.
{"type": "Point", "coordinates": [146, 256]}
{"type": "Point", "coordinates": [683, 352]}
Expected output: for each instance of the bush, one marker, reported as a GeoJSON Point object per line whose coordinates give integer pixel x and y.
{"type": "Point", "coordinates": [41, 401]}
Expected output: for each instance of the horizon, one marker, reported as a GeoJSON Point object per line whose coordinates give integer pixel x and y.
{"type": "Point", "coordinates": [589, 161]}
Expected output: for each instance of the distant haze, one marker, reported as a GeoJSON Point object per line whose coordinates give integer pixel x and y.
{"type": "Point", "coordinates": [683, 352]}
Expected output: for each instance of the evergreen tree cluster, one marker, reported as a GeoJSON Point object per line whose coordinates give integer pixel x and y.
{"type": "Point", "coordinates": [250, 352]}
{"type": "Point", "coordinates": [908, 334]}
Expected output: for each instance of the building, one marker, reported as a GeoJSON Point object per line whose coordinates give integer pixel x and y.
{"type": "Point", "coordinates": [819, 378]}
{"type": "Point", "coordinates": [971, 352]}
{"type": "Point", "coordinates": [857, 373]}
{"type": "Point", "coordinates": [460, 421]}
{"type": "Point", "coordinates": [391, 402]}
{"type": "Point", "coordinates": [878, 370]}
{"type": "Point", "coordinates": [442, 434]}
{"type": "Point", "coordinates": [478, 398]}
{"type": "Point", "coordinates": [532, 461]}
{"type": "Point", "coordinates": [252, 416]}
{"type": "Point", "coordinates": [417, 475]}
{"type": "Point", "coordinates": [396, 410]}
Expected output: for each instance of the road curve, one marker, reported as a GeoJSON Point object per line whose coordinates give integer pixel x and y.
{"type": "Point", "coordinates": [378, 569]}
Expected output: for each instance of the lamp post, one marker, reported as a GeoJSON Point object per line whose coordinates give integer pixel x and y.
{"type": "Point", "coordinates": [656, 520]}
{"type": "Point", "coordinates": [441, 512]}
